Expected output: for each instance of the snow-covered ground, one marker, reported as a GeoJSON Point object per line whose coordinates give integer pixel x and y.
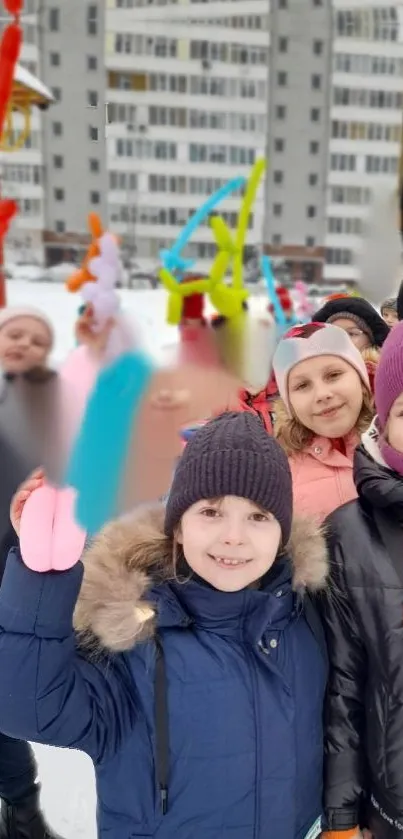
{"type": "Point", "coordinates": [67, 776]}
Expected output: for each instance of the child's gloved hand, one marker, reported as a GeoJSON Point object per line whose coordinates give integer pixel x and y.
{"type": "Point", "coordinates": [43, 518]}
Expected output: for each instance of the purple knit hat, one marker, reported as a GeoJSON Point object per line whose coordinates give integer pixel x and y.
{"type": "Point", "coordinates": [388, 386]}
{"type": "Point", "coordinates": [389, 374]}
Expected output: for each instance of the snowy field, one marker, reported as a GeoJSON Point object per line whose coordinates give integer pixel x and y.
{"type": "Point", "coordinates": [67, 777]}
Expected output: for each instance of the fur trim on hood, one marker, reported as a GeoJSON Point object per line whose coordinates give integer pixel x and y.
{"type": "Point", "coordinates": [130, 556]}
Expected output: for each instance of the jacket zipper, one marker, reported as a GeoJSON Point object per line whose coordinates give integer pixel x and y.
{"type": "Point", "coordinates": [252, 665]}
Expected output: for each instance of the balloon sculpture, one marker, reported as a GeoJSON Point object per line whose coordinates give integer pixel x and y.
{"type": "Point", "coordinates": [84, 275]}
{"type": "Point", "coordinates": [130, 437]}
{"type": "Point", "coordinates": [227, 299]}
{"type": "Point", "coordinates": [126, 449]}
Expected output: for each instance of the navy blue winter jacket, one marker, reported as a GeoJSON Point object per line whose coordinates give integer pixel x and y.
{"type": "Point", "coordinates": [201, 710]}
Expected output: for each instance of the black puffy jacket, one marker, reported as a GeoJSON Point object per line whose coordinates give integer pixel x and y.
{"type": "Point", "coordinates": [363, 615]}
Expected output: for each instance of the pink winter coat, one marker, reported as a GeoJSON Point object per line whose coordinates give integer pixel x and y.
{"type": "Point", "coordinates": [323, 477]}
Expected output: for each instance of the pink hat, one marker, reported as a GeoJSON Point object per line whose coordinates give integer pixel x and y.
{"type": "Point", "coordinates": [13, 312]}
{"type": "Point", "coordinates": [309, 341]}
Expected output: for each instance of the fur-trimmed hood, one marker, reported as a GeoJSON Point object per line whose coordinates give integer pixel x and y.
{"type": "Point", "coordinates": [132, 555]}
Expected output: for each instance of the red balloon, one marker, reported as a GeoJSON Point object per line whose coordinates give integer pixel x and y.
{"type": "Point", "coordinates": [8, 209]}
{"type": "Point", "coordinates": [10, 45]}
{"type": "Point", "coordinates": [14, 7]}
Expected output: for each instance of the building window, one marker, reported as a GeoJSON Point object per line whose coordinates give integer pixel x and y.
{"type": "Point", "coordinates": [92, 20]}
{"type": "Point", "coordinates": [350, 195]}
{"type": "Point", "coordinates": [276, 239]}
{"type": "Point", "coordinates": [54, 20]}
{"type": "Point", "coordinates": [95, 198]}
{"type": "Point", "coordinates": [377, 24]}
{"type": "Point", "coordinates": [283, 4]}
{"type": "Point", "coordinates": [310, 241]}
{"type": "Point", "coordinates": [282, 78]}
{"type": "Point", "coordinates": [314, 147]}
{"type": "Point", "coordinates": [313, 179]}
{"type": "Point", "coordinates": [311, 211]}
{"type": "Point", "coordinates": [315, 114]}
{"type": "Point", "coordinates": [278, 177]}
{"type": "Point", "coordinates": [318, 47]}
{"type": "Point", "coordinates": [375, 164]}
{"type": "Point", "coordinates": [93, 133]}
{"type": "Point", "coordinates": [92, 98]}
{"type": "Point", "coordinates": [60, 227]}
{"type": "Point", "coordinates": [279, 144]}
{"type": "Point", "coordinates": [318, 3]}
{"type": "Point", "coordinates": [92, 62]}
{"type": "Point", "coordinates": [58, 161]}
{"type": "Point", "coordinates": [277, 209]}
{"type": "Point", "coordinates": [343, 162]}
{"type": "Point", "coordinates": [339, 256]}
{"type": "Point", "coordinates": [55, 59]}
{"type": "Point", "coordinates": [346, 226]}
{"type": "Point", "coordinates": [283, 44]}
{"type": "Point", "coordinates": [281, 112]}
{"type": "Point", "coordinates": [59, 194]}
{"type": "Point", "coordinates": [57, 93]}
{"type": "Point", "coordinates": [368, 98]}
{"type": "Point", "coordinates": [57, 129]}
{"type": "Point", "coordinates": [316, 81]}
{"type": "Point", "coordinates": [94, 165]}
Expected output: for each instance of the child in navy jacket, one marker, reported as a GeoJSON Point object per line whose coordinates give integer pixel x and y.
{"type": "Point", "coordinates": [195, 676]}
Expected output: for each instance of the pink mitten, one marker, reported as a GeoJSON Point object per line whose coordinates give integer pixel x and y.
{"type": "Point", "coordinates": [50, 539]}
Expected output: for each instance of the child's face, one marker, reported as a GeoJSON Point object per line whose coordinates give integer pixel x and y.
{"type": "Point", "coordinates": [395, 425]}
{"type": "Point", "coordinates": [230, 542]}
{"type": "Point", "coordinates": [390, 317]}
{"type": "Point", "coordinates": [25, 343]}
{"type": "Point", "coordinates": [359, 338]}
{"type": "Point", "coordinates": [326, 395]}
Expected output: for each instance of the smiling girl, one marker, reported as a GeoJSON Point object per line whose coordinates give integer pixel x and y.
{"type": "Point", "coordinates": [198, 689]}
{"type": "Point", "coordinates": [326, 404]}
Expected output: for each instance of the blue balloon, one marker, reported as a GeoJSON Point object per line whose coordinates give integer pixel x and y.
{"type": "Point", "coordinates": [171, 259]}
{"type": "Point", "coordinates": [174, 263]}
{"type": "Point", "coordinates": [279, 314]}
{"type": "Point", "coordinates": [98, 460]}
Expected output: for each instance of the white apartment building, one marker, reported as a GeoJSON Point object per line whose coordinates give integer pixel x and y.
{"type": "Point", "coordinates": [158, 103]}
{"type": "Point", "coordinates": [187, 105]}
{"type": "Point", "coordinates": [366, 122]}
{"type": "Point", "coordinates": [21, 172]}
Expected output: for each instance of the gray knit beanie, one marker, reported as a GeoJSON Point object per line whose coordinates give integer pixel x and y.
{"type": "Point", "coordinates": [232, 455]}
{"type": "Point", "coordinates": [359, 322]}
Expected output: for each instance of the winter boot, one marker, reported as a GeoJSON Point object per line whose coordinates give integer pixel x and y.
{"type": "Point", "coordinates": [24, 820]}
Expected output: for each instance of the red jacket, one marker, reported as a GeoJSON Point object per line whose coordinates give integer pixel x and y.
{"type": "Point", "coordinates": [261, 403]}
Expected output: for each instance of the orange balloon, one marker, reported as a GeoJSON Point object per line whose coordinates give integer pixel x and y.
{"type": "Point", "coordinates": [95, 225]}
